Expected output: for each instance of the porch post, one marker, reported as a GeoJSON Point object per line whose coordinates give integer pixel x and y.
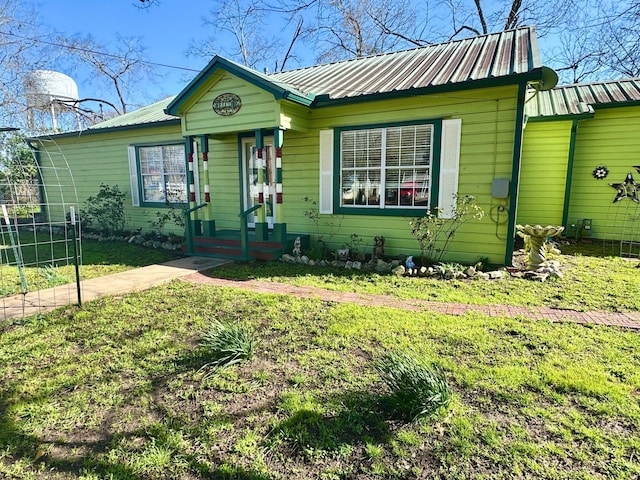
{"type": "Point", "coordinates": [279, 227]}
{"type": "Point", "coordinates": [192, 227]}
{"type": "Point", "coordinates": [261, 225]}
{"type": "Point", "coordinates": [208, 225]}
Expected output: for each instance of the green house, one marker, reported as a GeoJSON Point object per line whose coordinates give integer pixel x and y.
{"type": "Point", "coordinates": [354, 147]}
{"type": "Point", "coordinates": [581, 150]}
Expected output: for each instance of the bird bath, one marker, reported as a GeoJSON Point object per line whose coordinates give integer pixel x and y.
{"type": "Point", "coordinates": [535, 238]}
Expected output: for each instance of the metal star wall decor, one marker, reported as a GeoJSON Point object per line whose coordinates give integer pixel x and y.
{"type": "Point", "coordinates": [600, 172]}
{"type": "Point", "coordinates": [627, 189]}
{"type": "Point", "coordinates": [637, 167]}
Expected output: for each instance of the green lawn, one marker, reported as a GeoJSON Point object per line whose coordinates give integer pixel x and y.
{"type": "Point", "coordinates": [120, 390]}
{"type": "Point", "coordinates": [590, 282]}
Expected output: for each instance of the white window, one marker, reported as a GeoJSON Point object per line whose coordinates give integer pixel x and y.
{"type": "Point", "coordinates": [386, 167]}
{"type": "Point", "coordinates": [390, 169]}
{"type": "Point", "coordinates": [160, 174]}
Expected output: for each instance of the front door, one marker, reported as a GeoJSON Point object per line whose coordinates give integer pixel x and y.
{"type": "Point", "coordinates": [250, 176]}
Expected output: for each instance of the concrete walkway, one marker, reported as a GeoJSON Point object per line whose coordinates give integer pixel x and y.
{"type": "Point", "coordinates": [191, 269]}
{"type": "Point", "coordinates": [41, 301]}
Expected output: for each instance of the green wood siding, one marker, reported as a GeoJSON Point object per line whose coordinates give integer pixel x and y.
{"type": "Point", "coordinates": [488, 122]}
{"type": "Point", "coordinates": [102, 158]}
{"type": "Point", "coordinates": [294, 117]}
{"type": "Point", "coordinates": [486, 152]}
{"type": "Point", "coordinates": [259, 109]}
{"type": "Point", "coordinates": [611, 138]}
{"type": "Point", "coordinates": [545, 152]}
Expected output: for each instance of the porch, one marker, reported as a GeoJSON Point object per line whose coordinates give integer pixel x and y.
{"type": "Point", "coordinates": [229, 244]}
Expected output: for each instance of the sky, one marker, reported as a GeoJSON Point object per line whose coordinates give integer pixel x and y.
{"type": "Point", "coordinates": [167, 30]}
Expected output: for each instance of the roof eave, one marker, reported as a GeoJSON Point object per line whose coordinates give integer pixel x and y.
{"type": "Point", "coordinates": [515, 79]}
{"type": "Point", "coordinates": [119, 128]}
{"type": "Point", "coordinates": [559, 118]}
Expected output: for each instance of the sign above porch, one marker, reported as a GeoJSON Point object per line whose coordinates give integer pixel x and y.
{"type": "Point", "coordinates": [227, 104]}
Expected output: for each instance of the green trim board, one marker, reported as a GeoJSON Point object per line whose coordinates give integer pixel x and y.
{"type": "Point", "coordinates": [434, 171]}
{"type": "Point", "coordinates": [515, 174]}
{"type": "Point", "coordinates": [321, 101]}
{"type": "Point", "coordinates": [559, 118]}
{"type": "Point", "coordinates": [120, 128]}
{"type": "Point", "coordinates": [570, 161]}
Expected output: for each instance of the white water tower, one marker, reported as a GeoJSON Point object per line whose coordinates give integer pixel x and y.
{"type": "Point", "coordinates": [50, 92]}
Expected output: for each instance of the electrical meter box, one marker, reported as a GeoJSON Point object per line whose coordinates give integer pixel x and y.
{"type": "Point", "coordinates": [500, 188]}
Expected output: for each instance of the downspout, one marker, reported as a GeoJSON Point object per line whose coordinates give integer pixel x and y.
{"type": "Point", "coordinates": [515, 174]}
{"type": "Point", "coordinates": [567, 185]}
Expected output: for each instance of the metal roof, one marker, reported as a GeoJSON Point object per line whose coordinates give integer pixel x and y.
{"type": "Point", "coordinates": [582, 98]}
{"type": "Point", "coordinates": [150, 114]}
{"type": "Point", "coordinates": [484, 57]}
{"type": "Point", "coordinates": [498, 55]}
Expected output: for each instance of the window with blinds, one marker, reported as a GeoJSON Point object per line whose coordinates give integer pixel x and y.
{"type": "Point", "coordinates": [162, 174]}
{"type": "Point", "coordinates": [386, 167]}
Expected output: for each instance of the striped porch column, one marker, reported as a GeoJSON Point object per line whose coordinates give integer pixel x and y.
{"type": "Point", "coordinates": [193, 226]}
{"type": "Point", "coordinates": [261, 226]}
{"type": "Point", "coordinates": [188, 146]}
{"type": "Point", "coordinates": [279, 227]}
{"type": "Point", "coordinates": [208, 225]}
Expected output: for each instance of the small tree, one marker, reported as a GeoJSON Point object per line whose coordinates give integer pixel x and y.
{"type": "Point", "coordinates": [435, 233]}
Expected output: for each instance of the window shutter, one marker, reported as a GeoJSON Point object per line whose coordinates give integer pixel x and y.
{"type": "Point", "coordinates": [326, 171]}
{"type": "Point", "coordinates": [133, 176]}
{"type": "Point", "coordinates": [449, 165]}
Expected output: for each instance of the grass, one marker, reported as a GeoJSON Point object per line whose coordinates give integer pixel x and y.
{"type": "Point", "coordinates": [227, 343]}
{"type": "Point", "coordinates": [591, 282]}
{"type": "Point", "coordinates": [49, 265]}
{"type": "Point", "coordinates": [117, 390]}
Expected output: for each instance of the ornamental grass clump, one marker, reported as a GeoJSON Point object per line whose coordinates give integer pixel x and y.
{"type": "Point", "coordinates": [417, 388]}
{"type": "Point", "coordinates": [227, 343]}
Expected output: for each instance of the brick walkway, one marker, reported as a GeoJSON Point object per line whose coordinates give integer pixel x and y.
{"type": "Point", "coordinates": [628, 320]}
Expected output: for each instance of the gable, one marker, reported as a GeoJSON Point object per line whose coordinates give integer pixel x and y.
{"type": "Point", "coordinates": [258, 108]}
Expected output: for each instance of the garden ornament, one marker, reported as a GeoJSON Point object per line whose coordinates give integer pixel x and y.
{"type": "Point", "coordinates": [378, 247]}
{"type": "Point", "coordinates": [410, 264]}
{"type": "Point", "coordinates": [535, 241]}
{"type": "Point", "coordinates": [297, 247]}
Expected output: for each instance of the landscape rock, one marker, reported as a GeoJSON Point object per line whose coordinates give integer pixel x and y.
{"type": "Point", "coordinates": [399, 270]}
{"type": "Point", "coordinates": [470, 272]}
{"type": "Point", "coordinates": [497, 274]}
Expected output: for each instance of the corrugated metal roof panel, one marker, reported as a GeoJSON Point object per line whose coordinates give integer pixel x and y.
{"type": "Point", "coordinates": [488, 56]}
{"type": "Point", "coordinates": [578, 99]}
{"type": "Point", "coordinates": [150, 114]}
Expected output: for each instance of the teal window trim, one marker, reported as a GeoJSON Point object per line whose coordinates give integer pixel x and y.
{"type": "Point", "coordinates": [388, 211]}
{"type": "Point", "coordinates": [165, 203]}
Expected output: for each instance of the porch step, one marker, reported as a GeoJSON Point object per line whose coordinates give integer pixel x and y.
{"type": "Point", "coordinates": [227, 244]}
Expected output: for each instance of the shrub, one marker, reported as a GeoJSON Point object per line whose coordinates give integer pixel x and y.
{"type": "Point", "coordinates": [434, 233]}
{"type": "Point", "coordinates": [227, 343]}
{"type": "Point", "coordinates": [106, 209]}
{"type": "Point", "coordinates": [417, 388]}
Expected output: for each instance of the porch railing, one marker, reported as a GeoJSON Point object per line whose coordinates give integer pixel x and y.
{"type": "Point", "coordinates": [244, 230]}
{"type": "Point", "coordinates": [189, 226]}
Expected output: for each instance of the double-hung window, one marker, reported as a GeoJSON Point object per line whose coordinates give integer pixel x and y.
{"type": "Point", "coordinates": [160, 174]}
{"type": "Point", "coordinates": [386, 167]}
{"type": "Point", "coordinates": [392, 169]}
